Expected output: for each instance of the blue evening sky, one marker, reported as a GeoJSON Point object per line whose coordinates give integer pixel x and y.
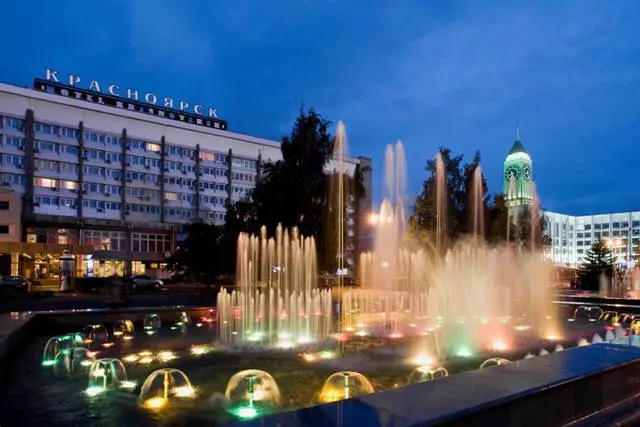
{"type": "Point", "coordinates": [431, 73]}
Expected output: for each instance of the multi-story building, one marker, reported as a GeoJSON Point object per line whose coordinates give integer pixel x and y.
{"type": "Point", "coordinates": [571, 236]}
{"type": "Point", "coordinates": [113, 179]}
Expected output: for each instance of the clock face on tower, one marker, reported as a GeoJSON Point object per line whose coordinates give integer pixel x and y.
{"type": "Point", "coordinates": [512, 172]}
{"type": "Point", "coordinates": [526, 173]}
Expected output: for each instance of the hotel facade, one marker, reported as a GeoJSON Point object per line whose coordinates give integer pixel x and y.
{"type": "Point", "coordinates": [112, 176]}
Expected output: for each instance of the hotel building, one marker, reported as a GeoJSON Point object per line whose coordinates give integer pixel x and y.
{"type": "Point", "coordinates": [572, 236]}
{"type": "Point", "coordinates": [113, 179]}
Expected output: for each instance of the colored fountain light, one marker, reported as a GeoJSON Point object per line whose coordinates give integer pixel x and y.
{"type": "Point", "coordinates": [422, 360]}
{"type": "Point", "coordinates": [200, 349]}
{"type": "Point", "coordinates": [96, 334]}
{"type": "Point", "coordinates": [252, 392]}
{"type": "Point", "coordinates": [499, 345]}
{"type": "Point", "coordinates": [464, 352]}
{"type": "Point", "coordinates": [122, 328]}
{"type": "Point", "coordinates": [277, 302]}
{"type": "Point", "coordinates": [131, 358]}
{"type": "Point", "coordinates": [165, 386]}
{"type": "Point", "coordinates": [105, 374]}
{"type": "Point", "coordinates": [345, 385]}
{"type": "Point", "coordinates": [151, 322]}
{"type": "Point", "coordinates": [425, 373]}
{"type": "Point", "coordinates": [309, 357]}
{"type": "Point", "coordinates": [326, 354]}
{"type": "Point", "coordinates": [166, 356]}
{"type": "Point", "coordinates": [56, 345]}
{"type": "Point", "coordinates": [128, 385]}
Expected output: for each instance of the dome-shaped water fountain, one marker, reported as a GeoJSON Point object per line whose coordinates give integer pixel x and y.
{"type": "Point", "coordinates": [165, 386]}
{"type": "Point", "coordinates": [609, 336]}
{"type": "Point", "coordinates": [345, 385]}
{"type": "Point", "coordinates": [582, 342]}
{"type": "Point", "coordinates": [96, 334]}
{"type": "Point", "coordinates": [596, 339]}
{"type": "Point", "coordinates": [425, 373]}
{"type": "Point", "coordinates": [107, 374]}
{"type": "Point", "coordinates": [495, 361]}
{"type": "Point", "coordinates": [558, 348]}
{"type": "Point", "coordinates": [122, 328]}
{"type": "Point", "coordinates": [543, 352]}
{"type": "Point", "coordinates": [151, 322]}
{"type": "Point", "coordinates": [252, 392]}
{"type": "Point", "coordinates": [59, 343]}
{"type": "Point", "coordinates": [76, 360]}
{"type": "Point", "coordinates": [528, 356]}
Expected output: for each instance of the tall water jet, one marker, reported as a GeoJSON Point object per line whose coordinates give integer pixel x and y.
{"type": "Point", "coordinates": [441, 203]}
{"type": "Point", "coordinates": [276, 302]}
{"type": "Point", "coordinates": [477, 203]}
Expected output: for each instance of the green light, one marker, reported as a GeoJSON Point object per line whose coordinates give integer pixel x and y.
{"type": "Point", "coordinates": [48, 363]}
{"type": "Point", "coordinates": [464, 352]}
{"type": "Point", "coordinates": [245, 412]}
{"type": "Point", "coordinates": [94, 390]}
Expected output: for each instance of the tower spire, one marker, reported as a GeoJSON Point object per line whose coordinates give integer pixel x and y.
{"type": "Point", "coordinates": [518, 130]}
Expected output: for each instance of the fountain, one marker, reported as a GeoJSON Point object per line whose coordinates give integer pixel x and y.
{"type": "Point", "coordinates": [345, 385]}
{"type": "Point", "coordinates": [151, 323]}
{"type": "Point", "coordinates": [97, 334]}
{"type": "Point", "coordinates": [462, 298]}
{"type": "Point", "coordinates": [277, 304]}
{"type": "Point", "coordinates": [123, 328]}
{"type": "Point", "coordinates": [425, 373]}
{"type": "Point", "coordinates": [165, 386]}
{"type": "Point", "coordinates": [107, 374]}
{"type": "Point", "coordinates": [252, 392]}
{"type": "Point", "coordinates": [60, 343]}
{"type": "Point", "coordinates": [494, 361]}
{"type": "Point", "coordinates": [73, 361]}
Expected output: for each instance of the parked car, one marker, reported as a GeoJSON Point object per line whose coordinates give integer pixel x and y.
{"type": "Point", "coordinates": [13, 284]}
{"type": "Point", "coordinates": [144, 283]}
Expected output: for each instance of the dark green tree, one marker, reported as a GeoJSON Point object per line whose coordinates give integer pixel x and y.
{"type": "Point", "coordinates": [200, 256]}
{"type": "Point", "coordinates": [458, 218]}
{"type": "Point", "coordinates": [598, 260]}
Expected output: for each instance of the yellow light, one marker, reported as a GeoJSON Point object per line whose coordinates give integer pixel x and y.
{"type": "Point", "coordinates": [118, 333]}
{"type": "Point", "coordinates": [145, 353]}
{"type": "Point", "coordinates": [361, 333]}
{"type": "Point", "coordinates": [422, 360]}
{"type": "Point", "coordinates": [552, 338]}
{"type": "Point", "coordinates": [500, 345]}
{"type": "Point", "coordinates": [199, 349]}
{"type": "Point", "coordinates": [128, 337]}
{"type": "Point", "coordinates": [150, 332]}
{"type": "Point", "coordinates": [107, 344]}
{"type": "Point", "coordinates": [129, 385]}
{"type": "Point", "coordinates": [155, 403]}
{"type": "Point", "coordinates": [309, 357]}
{"type": "Point", "coordinates": [145, 360]}
{"type": "Point", "coordinates": [331, 396]}
{"type": "Point", "coordinates": [373, 218]}
{"type": "Point", "coordinates": [131, 358]}
{"type": "Point", "coordinates": [166, 355]}
{"type": "Point", "coordinates": [184, 391]}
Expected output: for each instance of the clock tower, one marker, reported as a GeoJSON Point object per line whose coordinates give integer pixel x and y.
{"type": "Point", "coordinates": [518, 177]}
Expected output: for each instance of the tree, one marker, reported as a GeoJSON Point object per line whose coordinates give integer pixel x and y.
{"type": "Point", "coordinates": [201, 256]}
{"type": "Point", "coordinates": [458, 207]}
{"type": "Point", "coordinates": [598, 260]}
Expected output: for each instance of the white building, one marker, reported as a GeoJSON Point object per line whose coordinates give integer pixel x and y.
{"type": "Point", "coordinates": [571, 236]}
{"type": "Point", "coordinates": [118, 175]}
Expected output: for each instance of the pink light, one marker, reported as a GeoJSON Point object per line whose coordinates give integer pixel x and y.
{"type": "Point", "coordinates": [500, 345]}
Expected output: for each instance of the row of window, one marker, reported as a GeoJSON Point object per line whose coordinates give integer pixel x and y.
{"type": "Point", "coordinates": [250, 164]}
{"type": "Point", "coordinates": [245, 177]}
{"type": "Point", "coordinates": [13, 179]}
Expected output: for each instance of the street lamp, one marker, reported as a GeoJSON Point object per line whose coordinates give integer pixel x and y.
{"type": "Point", "coordinates": [373, 218]}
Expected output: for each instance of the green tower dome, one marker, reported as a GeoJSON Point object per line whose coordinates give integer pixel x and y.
{"type": "Point", "coordinates": [518, 175]}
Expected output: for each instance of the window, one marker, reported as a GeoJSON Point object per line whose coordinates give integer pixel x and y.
{"type": "Point", "coordinates": [45, 182]}
{"type": "Point", "coordinates": [69, 185]}
{"type": "Point", "coordinates": [4, 229]}
{"type": "Point", "coordinates": [70, 149]}
{"type": "Point", "coordinates": [605, 226]}
{"type": "Point", "coordinates": [207, 156]}
{"type": "Point", "coordinates": [4, 205]}
{"type": "Point", "coordinates": [170, 196]}
{"type": "Point", "coordinates": [616, 225]}
{"type": "Point", "coordinates": [12, 141]}
{"type": "Point", "coordinates": [596, 226]}
{"type": "Point", "coordinates": [624, 224]}
{"type": "Point", "coordinates": [13, 123]}
{"type": "Point", "coordinates": [17, 161]}
{"type": "Point", "coordinates": [69, 133]}
{"type": "Point", "coordinates": [153, 147]}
